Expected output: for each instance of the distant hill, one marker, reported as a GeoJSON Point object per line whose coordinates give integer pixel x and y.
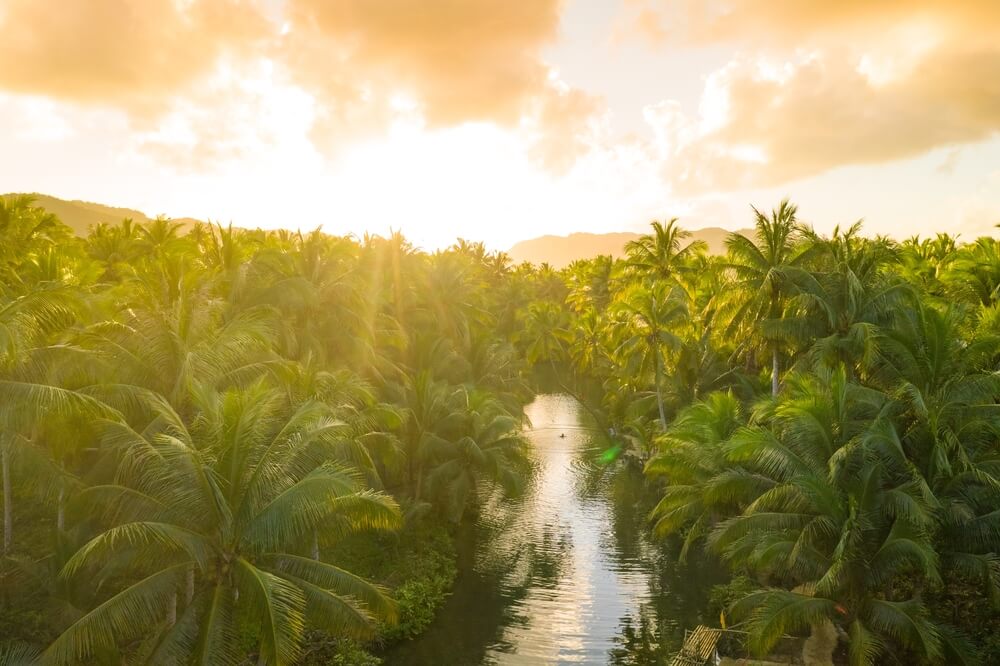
{"type": "Point", "coordinates": [81, 215]}
{"type": "Point", "coordinates": [560, 251]}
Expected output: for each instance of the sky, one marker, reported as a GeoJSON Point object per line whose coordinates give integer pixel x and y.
{"type": "Point", "coordinates": [501, 120]}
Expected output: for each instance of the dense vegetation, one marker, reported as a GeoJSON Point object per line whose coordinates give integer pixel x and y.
{"type": "Point", "coordinates": [818, 412]}
{"type": "Point", "coordinates": [203, 433]}
{"type": "Point", "coordinates": [229, 445]}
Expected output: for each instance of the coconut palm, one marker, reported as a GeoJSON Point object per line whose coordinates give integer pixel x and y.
{"type": "Point", "coordinates": [661, 254]}
{"type": "Point", "coordinates": [27, 324]}
{"type": "Point", "coordinates": [645, 317]}
{"type": "Point", "coordinates": [492, 450]}
{"type": "Point", "coordinates": [763, 268]}
{"type": "Point", "coordinates": [434, 414]}
{"type": "Point", "coordinates": [702, 487]}
{"type": "Point", "coordinates": [211, 519]}
{"type": "Point", "coordinates": [838, 313]}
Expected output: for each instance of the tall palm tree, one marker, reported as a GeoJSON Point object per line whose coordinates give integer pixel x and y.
{"type": "Point", "coordinates": [27, 322]}
{"type": "Point", "coordinates": [221, 509]}
{"type": "Point", "coordinates": [646, 317]}
{"type": "Point", "coordinates": [762, 268]}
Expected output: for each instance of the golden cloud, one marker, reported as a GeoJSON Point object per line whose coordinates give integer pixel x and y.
{"type": "Point", "coordinates": [459, 59]}
{"type": "Point", "coordinates": [364, 62]}
{"type": "Point", "coordinates": [822, 85]}
{"type": "Point", "coordinates": [448, 62]}
{"type": "Point", "coordinates": [761, 22]}
{"type": "Point", "coordinates": [126, 53]}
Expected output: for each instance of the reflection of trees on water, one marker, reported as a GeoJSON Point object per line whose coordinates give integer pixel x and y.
{"type": "Point", "coordinates": [542, 560]}
{"type": "Point", "coordinates": [637, 643]}
{"type": "Point", "coordinates": [677, 596]}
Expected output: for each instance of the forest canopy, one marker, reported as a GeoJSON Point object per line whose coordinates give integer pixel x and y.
{"type": "Point", "coordinates": [193, 420]}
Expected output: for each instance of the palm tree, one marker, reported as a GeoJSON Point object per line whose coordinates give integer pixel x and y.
{"type": "Point", "coordinates": [25, 230]}
{"type": "Point", "coordinates": [434, 418]}
{"type": "Point", "coordinates": [974, 272]}
{"type": "Point", "coordinates": [840, 312]}
{"type": "Point", "coordinates": [702, 487]}
{"type": "Point", "coordinates": [493, 450]}
{"type": "Point", "coordinates": [222, 508]}
{"type": "Point", "coordinates": [645, 318]}
{"type": "Point", "coordinates": [845, 522]}
{"type": "Point", "coordinates": [762, 268]}
{"type": "Point", "coordinates": [543, 333]}
{"type": "Point", "coordinates": [27, 323]}
{"type": "Point", "coordinates": [661, 255]}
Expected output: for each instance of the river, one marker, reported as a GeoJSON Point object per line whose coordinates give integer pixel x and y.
{"type": "Point", "coordinates": [565, 573]}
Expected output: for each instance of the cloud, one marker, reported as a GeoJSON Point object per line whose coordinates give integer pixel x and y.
{"type": "Point", "coordinates": [564, 125]}
{"type": "Point", "coordinates": [772, 23]}
{"type": "Point", "coordinates": [168, 65]}
{"type": "Point", "coordinates": [132, 54]}
{"type": "Point", "coordinates": [822, 85]}
{"type": "Point", "coordinates": [806, 117]}
{"type": "Point", "coordinates": [460, 60]}
{"type": "Point", "coordinates": [440, 63]}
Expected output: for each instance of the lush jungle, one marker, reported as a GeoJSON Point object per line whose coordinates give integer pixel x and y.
{"type": "Point", "coordinates": [229, 446]}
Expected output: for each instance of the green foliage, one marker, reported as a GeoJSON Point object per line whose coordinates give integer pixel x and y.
{"type": "Point", "coordinates": [194, 419]}
{"type": "Point", "coordinates": [865, 481]}
{"type": "Point", "coordinates": [206, 433]}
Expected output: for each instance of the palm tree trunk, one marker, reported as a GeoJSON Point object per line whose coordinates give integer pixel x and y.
{"type": "Point", "coordinates": [315, 546]}
{"type": "Point", "coordinates": [61, 508]}
{"type": "Point", "coordinates": [172, 610]}
{"type": "Point", "coordinates": [189, 587]}
{"type": "Point", "coordinates": [775, 369]}
{"type": "Point", "coordinates": [8, 508]}
{"type": "Point", "coordinates": [659, 390]}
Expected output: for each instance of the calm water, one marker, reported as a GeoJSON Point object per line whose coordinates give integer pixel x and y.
{"type": "Point", "coordinates": [566, 573]}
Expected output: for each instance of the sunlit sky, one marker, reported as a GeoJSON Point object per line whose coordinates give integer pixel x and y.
{"type": "Point", "coordinates": [500, 120]}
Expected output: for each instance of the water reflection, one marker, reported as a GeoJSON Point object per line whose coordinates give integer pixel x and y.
{"type": "Point", "coordinates": [567, 573]}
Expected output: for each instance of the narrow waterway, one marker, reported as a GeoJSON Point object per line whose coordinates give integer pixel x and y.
{"type": "Point", "coordinates": [566, 573]}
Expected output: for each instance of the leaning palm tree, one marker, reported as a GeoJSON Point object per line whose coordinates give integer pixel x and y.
{"type": "Point", "coordinates": [213, 519]}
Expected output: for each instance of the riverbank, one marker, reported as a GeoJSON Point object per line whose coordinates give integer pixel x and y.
{"type": "Point", "coordinates": [417, 565]}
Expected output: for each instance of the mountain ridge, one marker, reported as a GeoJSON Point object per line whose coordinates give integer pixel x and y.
{"type": "Point", "coordinates": [80, 216]}
{"type": "Point", "coordinates": [560, 251]}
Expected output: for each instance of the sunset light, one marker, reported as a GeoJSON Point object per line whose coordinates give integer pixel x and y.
{"type": "Point", "coordinates": [499, 332]}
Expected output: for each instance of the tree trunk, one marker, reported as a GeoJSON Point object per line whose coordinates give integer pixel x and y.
{"type": "Point", "coordinates": [315, 546]}
{"type": "Point", "coordinates": [189, 587]}
{"type": "Point", "coordinates": [8, 507]}
{"type": "Point", "coordinates": [818, 649]}
{"type": "Point", "coordinates": [659, 390]}
{"type": "Point", "coordinates": [61, 509]}
{"type": "Point", "coordinates": [775, 369]}
{"type": "Point", "coordinates": [172, 610]}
